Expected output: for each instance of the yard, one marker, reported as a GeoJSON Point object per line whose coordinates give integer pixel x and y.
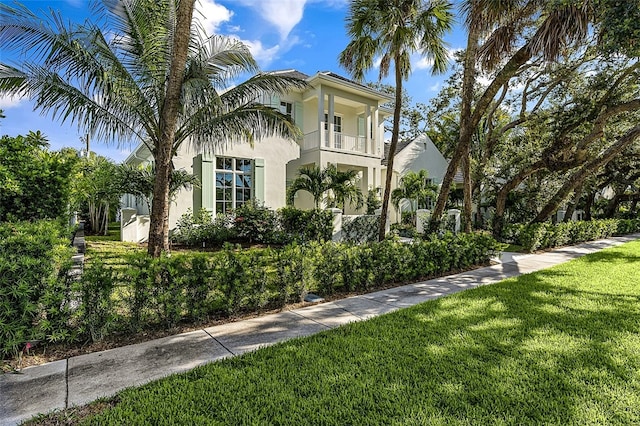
{"type": "Point", "coordinates": [561, 346]}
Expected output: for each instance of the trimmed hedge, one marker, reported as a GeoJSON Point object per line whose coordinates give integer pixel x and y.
{"type": "Point", "coordinates": [194, 286]}
{"type": "Point", "coordinates": [539, 236]}
{"type": "Point", "coordinates": [35, 258]}
{"type": "Point", "coordinates": [253, 224]}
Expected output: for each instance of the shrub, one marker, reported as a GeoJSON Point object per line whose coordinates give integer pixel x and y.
{"type": "Point", "coordinates": [34, 295]}
{"type": "Point", "coordinates": [97, 313]}
{"type": "Point", "coordinates": [537, 236]}
{"type": "Point", "coordinates": [306, 225]}
{"type": "Point", "coordinates": [256, 223]}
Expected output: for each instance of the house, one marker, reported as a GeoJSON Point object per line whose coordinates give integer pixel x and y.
{"type": "Point", "coordinates": [342, 123]}
{"type": "Point", "coordinates": [415, 155]}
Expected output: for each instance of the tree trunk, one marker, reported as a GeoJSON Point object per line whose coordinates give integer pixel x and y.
{"type": "Point", "coordinates": [469, 121]}
{"type": "Point", "coordinates": [579, 177]}
{"type": "Point", "coordinates": [158, 229]}
{"type": "Point", "coordinates": [503, 193]}
{"type": "Point", "coordinates": [464, 139]}
{"type": "Point", "coordinates": [588, 203]}
{"type": "Point", "coordinates": [392, 151]}
{"type": "Point", "coordinates": [612, 206]}
{"type": "Point", "coordinates": [571, 207]}
{"type": "Point", "coordinates": [467, 203]}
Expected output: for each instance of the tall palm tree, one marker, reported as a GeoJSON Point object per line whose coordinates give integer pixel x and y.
{"type": "Point", "coordinates": [393, 30]}
{"type": "Point", "coordinates": [149, 74]}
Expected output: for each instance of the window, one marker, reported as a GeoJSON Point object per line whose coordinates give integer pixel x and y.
{"type": "Point", "coordinates": [337, 130]}
{"type": "Point", "coordinates": [234, 183]}
{"type": "Point", "coordinates": [287, 109]}
{"type": "Point", "coordinates": [337, 123]}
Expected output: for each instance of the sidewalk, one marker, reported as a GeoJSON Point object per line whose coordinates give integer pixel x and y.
{"type": "Point", "coordinates": [82, 379]}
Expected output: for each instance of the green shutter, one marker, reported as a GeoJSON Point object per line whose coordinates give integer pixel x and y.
{"type": "Point", "coordinates": [203, 197]}
{"type": "Point", "coordinates": [275, 101]}
{"type": "Point", "coordinates": [361, 132]}
{"type": "Point", "coordinates": [258, 180]}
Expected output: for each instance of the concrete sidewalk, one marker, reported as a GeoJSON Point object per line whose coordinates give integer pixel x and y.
{"type": "Point", "coordinates": [82, 379]}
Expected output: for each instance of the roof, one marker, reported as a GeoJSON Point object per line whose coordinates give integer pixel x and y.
{"type": "Point", "coordinates": [290, 73]}
{"type": "Point", "coordinates": [401, 145]}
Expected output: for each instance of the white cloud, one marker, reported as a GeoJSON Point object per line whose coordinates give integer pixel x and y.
{"type": "Point", "coordinates": [7, 102]}
{"type": "Point", "coordinates": [211, 15]}
{"type": "Point", "coordinates": [435, 87]}
{"type": "Point", "coordinates": [263, 55]}
{"type": "Point", "coordinates": [282, 14]}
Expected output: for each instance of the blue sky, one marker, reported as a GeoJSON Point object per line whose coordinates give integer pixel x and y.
{"type": "Point", "coordinates": [306, 35]}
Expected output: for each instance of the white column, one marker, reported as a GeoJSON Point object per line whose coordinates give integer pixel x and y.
{"type": "Point", "coordinates": [330, 120]}
{"type": "Point", "coordinates": [337, 224]}
{"type": "Point", "coordinates": [376, 137]}
{"type": "Point", "coordinates": [367, 129]}
{"type": "Point", "coordinates": [320, 117]}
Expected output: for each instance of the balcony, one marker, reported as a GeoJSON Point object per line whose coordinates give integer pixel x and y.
{"type": "Point", "coordinates": [341, 142]}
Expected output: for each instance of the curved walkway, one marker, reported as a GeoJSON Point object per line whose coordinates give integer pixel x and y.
{"type": "Point", "coordinates": [82, 379]}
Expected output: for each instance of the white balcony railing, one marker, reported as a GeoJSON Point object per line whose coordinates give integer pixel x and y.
{"type": "Point", "coordinates": [341, 142]}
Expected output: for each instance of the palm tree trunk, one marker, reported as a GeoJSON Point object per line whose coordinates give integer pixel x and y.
{"type": "Point", "coordinates": [158, 229]}
{"type": "Point", "coordinates": [581, 175]}
{"type": "Point", "coordinates": [392, 151]}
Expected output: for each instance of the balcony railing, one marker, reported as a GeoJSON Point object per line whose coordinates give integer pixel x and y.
{"type": "Point", "coordinates": [341, 142]}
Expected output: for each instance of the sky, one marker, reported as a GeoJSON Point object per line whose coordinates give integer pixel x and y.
{"type": "Point", "coordinates": [307, 35]}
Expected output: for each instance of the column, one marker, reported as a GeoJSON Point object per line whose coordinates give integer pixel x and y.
{"type": "Point", "coordinates": [331, 120]}
{"type": "Point", "coordinates": [320, 117]}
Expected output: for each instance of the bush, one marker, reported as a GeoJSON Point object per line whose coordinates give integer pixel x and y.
{"type": "Point", "coordinates": [163, 292]}
{"type": "Point", "coordinates": [306, 225]}
{"type": "Point", "coordinates": [35, 259]}
{"type": "Point", "coordinates": [538, 236]}
{"type": "Point", "coordinates": [253, 224]}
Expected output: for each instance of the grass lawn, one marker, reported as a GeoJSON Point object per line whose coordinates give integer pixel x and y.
{"type": "Point", "coordinates": [561, 346]}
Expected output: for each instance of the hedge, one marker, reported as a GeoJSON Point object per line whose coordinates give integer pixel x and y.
{"type": "Point", "coordinates": [539, 236]}
{"type": "Point", "coordinates": [194, 286]}
{"type": "Point", "coordinates": [34, 286]}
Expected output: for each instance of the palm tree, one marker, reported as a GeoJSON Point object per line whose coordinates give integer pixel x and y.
{"type": "Point", "coordinates": [392, 30]}
{"type": "Point", "coordinates": [149, 75]}
{"type": "Point", "coordinates": [312, 180]}
{"type": "Point", "coordinates": [414, 187]}
{"type": "Point", "coordinates": [343, 187]}
{"type": "Point", "coordinates": [341, 184]}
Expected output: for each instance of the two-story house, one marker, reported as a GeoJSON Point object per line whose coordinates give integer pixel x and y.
{"type": "Point", "coordinates": [342, 123]}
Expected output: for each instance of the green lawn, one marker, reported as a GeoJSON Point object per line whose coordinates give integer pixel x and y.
{"type": "Point", "coordinates": [561, 346]}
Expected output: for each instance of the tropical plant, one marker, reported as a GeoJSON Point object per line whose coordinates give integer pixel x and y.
{"type": "Point", "coordinates": [312, 180]}
{"type": "Point", "coordinates": [150, 74]}
{"type": "Point", "coordinates": [333, 186]}
{"type": "Point", "coordinates": [417, 189]}
{"type": "Point", "coordinates": [393, 30]}
{"type": "Point", "coordinates": [343, 187]}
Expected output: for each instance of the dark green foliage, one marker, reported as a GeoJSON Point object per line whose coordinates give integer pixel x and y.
{"type": "Point", "coordinates": [34, 183]}
{"type": "Point", "coordinates": [306, 225]}
{"type": "Point", "coordinates": [97, 308]}
{"type": "Point", "coordinates": [539, 236]}
{"type": "Point", "coordinates": [34, 292]}
{"type": "Point", "coordinates": [143, 292]}
{"type": "Point", "coordinates": [253, 224]}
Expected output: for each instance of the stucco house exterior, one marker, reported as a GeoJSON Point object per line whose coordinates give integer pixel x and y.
{"type": "Point", "coordinates": [342, 124]}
